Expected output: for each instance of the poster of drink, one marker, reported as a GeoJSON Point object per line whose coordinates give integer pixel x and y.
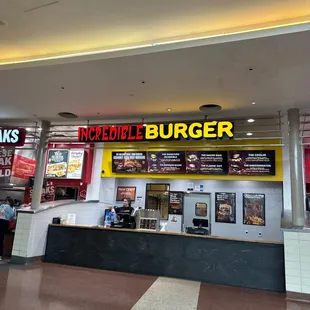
{"type": "Point", "coordinates": [256, 163]}
{"type": "Point", "coordinates": [129, 162]}
{"type": "Point", "coordinates": [57, 162]}
{"type": "Point", "coordinates": [254, 209]}
{"type": "Point", "coordinates": [6, 159]}
{"type": "Point", "coordinates": [166, 162]}
{"type": "Point", "coordinates": [225, 207]}
{"type": "Point", "coordinates": [206, 162]}
{"type": "Point", "coordinates": [75, 164]}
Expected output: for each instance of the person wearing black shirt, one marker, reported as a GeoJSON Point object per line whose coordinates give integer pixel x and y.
{"type": "Point", "coordinates": [126, 208]}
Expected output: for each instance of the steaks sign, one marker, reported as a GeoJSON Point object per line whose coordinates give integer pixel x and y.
{"type": "Point", "coordinates": [12, 137]}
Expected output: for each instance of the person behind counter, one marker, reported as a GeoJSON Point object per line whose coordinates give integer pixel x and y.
{"type": "Point", "coordinates": [126, 208]}
{"type": "Point", "coordinates": [6, 215]}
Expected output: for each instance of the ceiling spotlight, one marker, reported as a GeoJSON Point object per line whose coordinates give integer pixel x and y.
{"type": "Point", "coordinates": [249, 134]}
{"type": "Point", "coordinates": [144, 125]}
{"type": "Point", "coordinates": [39, 129]}
{"type": "Point", "coordinates": [253, 102]}
{"type": "Point", "coordinates": [251, 120]}
{"type": "Point", "coordinates": [28, 129]}
{"type": "Point", "coordinates": [169, 109]}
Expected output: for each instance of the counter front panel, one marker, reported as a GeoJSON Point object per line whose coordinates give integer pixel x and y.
{"type": "Point", "coordinates": [221, 261]}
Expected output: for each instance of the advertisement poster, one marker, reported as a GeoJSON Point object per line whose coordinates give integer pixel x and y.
{"type": "Point", "coordinates": [176, 203]}
{"type": "Point", "coordinates": [126, 192]}
{"type": "Point", "coordinates": [225, 208]}
{"type": "Point", "coordinates": [256, 163]}
{"type": "Point", "coordinates": [166, 162]}
{"type": "Point", "coordinates": [24, 166]}
{"type": "Point", "coordinates": [57, 163]}
{"type": "Point", "coordinates": [75, 164]}
{"type": "Point", "coordinates": [6, 159]}
{"type": "Point", "coordinates": [207, 162]}
{"type": "Point", "coordinates": [254, 209]}
{"type": "Point", "coordinates": [129, 162]}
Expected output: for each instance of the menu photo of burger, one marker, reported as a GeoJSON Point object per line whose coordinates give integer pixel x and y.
{"type": "Point", "coordinates": [192, 162]}
{"type": "Point", "coordinates": [235, 163]}
{"type": "Point", "coordinates": [152, 162]}
{"type": "Point", "coordinates": [254, 209]}
{"type": "Point", "coordinates": [225, 207]}
{"type": "Point", "coordinates": [129, 162]}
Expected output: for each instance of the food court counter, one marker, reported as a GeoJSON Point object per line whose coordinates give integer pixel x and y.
{"type": "Point", "coordinates": [244, 263]}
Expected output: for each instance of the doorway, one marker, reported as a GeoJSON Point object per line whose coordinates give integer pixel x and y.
{"type": "Point", "coordinates": [197, 206]}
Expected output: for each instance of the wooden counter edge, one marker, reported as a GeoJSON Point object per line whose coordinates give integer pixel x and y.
{"type": "Point", "coordinates": [164, 233]}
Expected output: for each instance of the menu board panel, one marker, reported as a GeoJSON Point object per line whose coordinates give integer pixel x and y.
{"type": "Point", "coordinates": [225, 207]}
{"type": "Point", "coordinates": [57, 163]}
{"type": "Point", "coordinates": [254, 209]}
{"type": "Point", "coordinates": [75, 164]}
{"type": "Point", "coordinates": [176, 203]}
{"type": "Point", "coordinates": [129, 162]}
{"type": "Point", "coordinates": [207, 162]}
{"type": "Point", "coordinates": [166, 162]}
{"type": "Point", "coordinates": [256, 163]}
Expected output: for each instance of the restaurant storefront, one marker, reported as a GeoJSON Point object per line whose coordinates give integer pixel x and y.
{"type": "Point", "coordinates": [204, 206]}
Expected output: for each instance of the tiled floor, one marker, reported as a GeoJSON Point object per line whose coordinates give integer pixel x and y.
{"type": "Point", "coordinates": [55, 287]}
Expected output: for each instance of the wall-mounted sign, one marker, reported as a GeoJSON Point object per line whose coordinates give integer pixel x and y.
{"type": "Point", "coordinates": [207, 162]}
{"type": "Point", "coordinates": [12, 136]}
{"type": "Point", "coordinates": [256, 163]}
{"type": "Point", "coordinates": [157, 132]}
{"type": "Point", "coordinates": [6, 158]}
{"type": "Point", "coordinates": [254, 209]}
{"type": "Point", "coordinates": [166, 162]}
{"type": "Point", "coordinates": [65, 164]}
{"type": "Point", "coordinates": [129, 162]}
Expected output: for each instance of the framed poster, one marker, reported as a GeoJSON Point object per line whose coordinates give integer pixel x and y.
{"type": "Point", "coordinates": [126, 192]}
{"type": "Point", "coordinates": [57, 163]}
{"type": "Point", "coordinates": [254, 209]}
{"type": "Point", "coordinates": [75, 164]}
{"type": "Point", "coordinates": [176, 203]}
{"type": "Point", "coordinates": [225, 208]}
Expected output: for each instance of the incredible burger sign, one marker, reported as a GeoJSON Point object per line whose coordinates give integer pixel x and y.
{"type": "Point", "coordinates": [12, 136]}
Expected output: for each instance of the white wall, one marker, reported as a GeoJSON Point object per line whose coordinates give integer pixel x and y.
{"type": "Point", "coordinates": [272, 190]}
{"type": "Point", "coordinates": [31, 229]}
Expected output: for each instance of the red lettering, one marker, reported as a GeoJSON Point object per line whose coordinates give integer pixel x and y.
{"type": "Point", "coordinates": [105, 133]}
{"type": "Point", "coordinates": [124, 132]}
{"type": "Point", "coordinates": [91, 133]}
{"type": "Point", "coordinates": [113, 133]}
{"type": "Point", "coordinates": [139, 132]}
{"type": "Point", "coordinates": [98, 132]}
{"type": "Point", "coordinates": [119, 128]}
{"type": "Point", "coordinates": [130, 136]}
{"type": "Point", "coordinates": [82, 134]}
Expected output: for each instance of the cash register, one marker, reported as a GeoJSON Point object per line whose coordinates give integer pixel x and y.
{"type": "Point", "coordinates": [198, 228]}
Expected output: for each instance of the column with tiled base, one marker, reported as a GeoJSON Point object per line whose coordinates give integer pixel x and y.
{"type": "Point", "coordinates": [297, 264]}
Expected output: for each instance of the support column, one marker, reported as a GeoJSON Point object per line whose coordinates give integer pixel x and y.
{"type": "Point", "coordinates": [40, 166]}
{"type": "Point", "coordinates": [296, 169]}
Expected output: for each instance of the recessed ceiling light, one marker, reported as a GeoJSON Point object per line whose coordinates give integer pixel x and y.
{"type": "Point", "coordinates": [144, 125]}
{"type": "Point", "coordinates": [67, 115]}
{"type": "Point", "coordinates": [28, 129]}
{"type": "Point", "coordinates": [169, 109]}
{"type": "Point", "coordinates": [39, 129]}
{"type": "Point", "coordinates": [251, 120]}
{"type": "Point", "coordinates": [253, 102]}
{"type": "Point", "coordinates": [249, 134]}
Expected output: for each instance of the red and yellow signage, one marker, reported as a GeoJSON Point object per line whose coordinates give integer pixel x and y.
{"type": "Point", "coordinates": [157, 132]}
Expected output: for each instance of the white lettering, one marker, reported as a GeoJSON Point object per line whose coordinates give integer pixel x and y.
{"type": "Point", "coordinates": [15, 136]}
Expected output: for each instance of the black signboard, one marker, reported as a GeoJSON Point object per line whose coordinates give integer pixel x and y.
{"type": "Point", "coordinates": [207, 162]}
{"type": "Point", "coordinates": [225, 207]}
{"type": "Point", "coordinates": [166, 162]}
{"type": "Point", "coordinates": [57, 163]}
{"type": "Point", "coordinates": [254, 209]}
{"type": "Point", "coordinates": [256, 163]}
{"type": "Point", "coordinates": [129, 162]}
{"type": "Point", "coordinates": [176, 203]}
